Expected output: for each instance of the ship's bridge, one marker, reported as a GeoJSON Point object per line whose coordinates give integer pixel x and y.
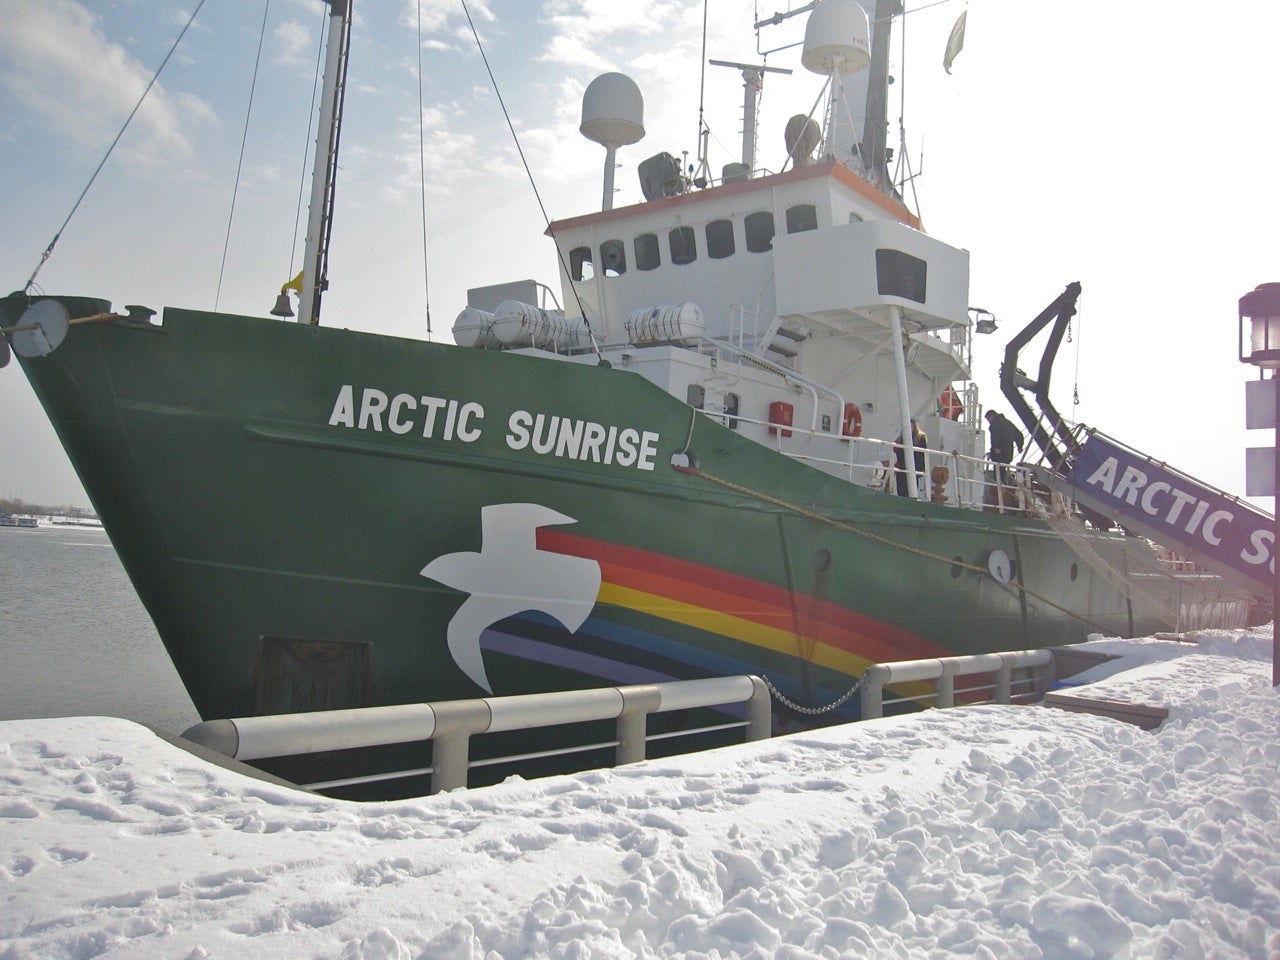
{"type": "Point", "coordinates": [773, 262]}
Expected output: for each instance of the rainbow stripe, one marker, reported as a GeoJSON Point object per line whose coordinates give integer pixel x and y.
{"type": "Point", "coordinates": [660, 618]}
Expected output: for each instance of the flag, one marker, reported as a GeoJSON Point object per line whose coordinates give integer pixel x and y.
{"type": "Point", "coordinates": [955, 43]}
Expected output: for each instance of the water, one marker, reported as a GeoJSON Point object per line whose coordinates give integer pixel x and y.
{"type": "Point", "coordinates": [74, 638]}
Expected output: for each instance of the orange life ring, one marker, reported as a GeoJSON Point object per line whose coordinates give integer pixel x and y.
{"type": "Point", "coordinates": [950, 403]}
{"type": "Point", "coordinates": [852, 421]}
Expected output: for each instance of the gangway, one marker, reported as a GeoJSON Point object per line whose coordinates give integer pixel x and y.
{"type": "Point", "coordinates": [1112, 484]}
{"type": "Point", "coordinates": [1146, 496]}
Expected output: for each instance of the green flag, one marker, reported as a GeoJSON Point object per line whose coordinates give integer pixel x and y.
{"type": "Point", "coordinates": [955, 43]}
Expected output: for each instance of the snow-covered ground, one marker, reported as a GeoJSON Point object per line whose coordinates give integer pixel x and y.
{"type": "Point", "coordinates": [975, 832]}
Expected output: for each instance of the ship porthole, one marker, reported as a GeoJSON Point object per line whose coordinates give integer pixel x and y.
{"type": "Point", "coordinates": [1075, 571]}
{"type": "Point", "coordinates": [956, 568]}
{"type": "Point", "coordinates": [821, 560]}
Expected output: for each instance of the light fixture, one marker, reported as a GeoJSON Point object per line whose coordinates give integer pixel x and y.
{"type": "Point", "coordinates": [986, 320]}
{"type": "Point", "coordinates": [1262, 307]}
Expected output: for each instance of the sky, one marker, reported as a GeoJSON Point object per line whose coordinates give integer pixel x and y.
{"type": "Point", "coordinates": [980, 832]}
{"type": "Point", "coordinates": [1125, 146]}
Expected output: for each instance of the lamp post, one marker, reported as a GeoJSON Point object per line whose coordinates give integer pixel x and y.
{"type": "Point", "coordinates": [1261, 307]}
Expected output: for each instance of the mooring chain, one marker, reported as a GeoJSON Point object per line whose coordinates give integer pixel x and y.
{"type": "Point", "coordinates": [786, 701]}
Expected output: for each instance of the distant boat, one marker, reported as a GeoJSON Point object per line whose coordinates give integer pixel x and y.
{"type": "Point", "coordinates": [687, 471]}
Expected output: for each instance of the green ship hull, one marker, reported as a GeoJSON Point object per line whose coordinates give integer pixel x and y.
{"type": "Point", "coordinates": [278, 493]}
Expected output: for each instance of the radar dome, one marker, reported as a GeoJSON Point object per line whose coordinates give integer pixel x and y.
{"type": "Point", "coordinates": [836, 38]}
{"type": "Point", "coordinates": [612, 110]}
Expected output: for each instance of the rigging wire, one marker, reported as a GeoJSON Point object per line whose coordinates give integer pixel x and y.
{"type": "Point", "coordinates": [1075, 387]}
{"type": "Point", "coordinates": [48, 251]}
{"type": "Point", "coordinates": [244, 139]}
{"type": "Point", "coordinates": [422, 178]}
{"type": "Point", "coordinates": [306, 151]}
{"type": "Point", "coordinates": [702, 88]}
{"type": "Point", "coordinates": [529, 173]}
{"type": "Point", "coordinates": [904, 158]}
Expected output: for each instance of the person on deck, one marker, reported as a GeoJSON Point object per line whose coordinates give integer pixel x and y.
{"type": "Point", "coordinates": [920, 442]}
{"type": "Point", "coordinates": [1005, 439]}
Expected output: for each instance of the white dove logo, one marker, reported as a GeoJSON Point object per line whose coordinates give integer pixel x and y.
{"type": "Point", "coordinates": [510, 574]}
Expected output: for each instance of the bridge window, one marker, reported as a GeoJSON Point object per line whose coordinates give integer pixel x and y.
{"type": "Point", "coordinates": [802, 217]}
{"type": "Point", "coordinates": [684, 245]}
{"type": "Point", "coordinates": [613, 258]}
{"type": "Point", "coordinates": [759, 226]}
{"type": "Point", "coordinates": [720, 239]}
{"type": "Point", "coordinates": [899, 274]}
{"type": "Point", "coordinates": [580, 265]}
{"type": "Point", "coordinates": [647, 256]}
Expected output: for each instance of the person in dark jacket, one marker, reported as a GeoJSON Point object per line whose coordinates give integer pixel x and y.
{"type": "Point", "coordinates": [1005, 439]}
{"type": "Point", "coordinates": [920, 442]}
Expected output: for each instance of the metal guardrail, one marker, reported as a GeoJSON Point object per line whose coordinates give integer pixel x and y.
{"type": "Point", "coordinates": [450, 725]}
{"type": "Point", "coordinates": [944, 672]}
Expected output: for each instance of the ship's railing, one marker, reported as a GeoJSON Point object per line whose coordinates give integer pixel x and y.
{"type": "Point", "coordinates": [983, 673]}
{"type": "Point", "coordinates": [450, 725]}
{"type": "Point", "coordinates": [813, 388]}
{"type": "Point", "coordinates": [973, 483]}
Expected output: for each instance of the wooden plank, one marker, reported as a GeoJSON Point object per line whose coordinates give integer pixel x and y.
{"type": "Point", "coordinates": [1067, 661]}
{"type": "Point", "coordinates": [1139, 714]}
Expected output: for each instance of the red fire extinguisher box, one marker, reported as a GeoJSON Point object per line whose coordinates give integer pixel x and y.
{"type": "Point", "coordinates": [783, 414]}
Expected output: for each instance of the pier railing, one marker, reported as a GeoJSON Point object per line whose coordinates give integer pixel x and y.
{"type": "Point", "coordinates": [986, 677]}
{"type": "Point", "coordinates": [450, 725]}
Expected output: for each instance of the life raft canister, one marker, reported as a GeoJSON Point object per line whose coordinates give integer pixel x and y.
{"type": "Point", "coordinates": [852, 421]}
{"type": "Point", "coordinates": [950, 403]}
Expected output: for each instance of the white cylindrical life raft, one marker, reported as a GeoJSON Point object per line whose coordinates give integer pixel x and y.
{"type": "Point", "coordinates": [517, 324]}
{"type": "Point", "coordinates": [673, 323]}
{"type": "Point", "coordinates": [474, 328]}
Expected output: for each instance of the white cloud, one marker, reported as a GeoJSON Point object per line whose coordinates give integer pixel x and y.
{"type": "Point", "coordinates": [442, 16]}
{"type": "Point", "coordinates": [55, 61]}
{"type": "Point", "coordinates": [295, 44]}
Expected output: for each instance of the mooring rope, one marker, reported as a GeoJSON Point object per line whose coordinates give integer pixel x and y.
{"type": "Point", "coordinates": [74, 322]}
{"type": "Point", "coordinates": [887, 541]}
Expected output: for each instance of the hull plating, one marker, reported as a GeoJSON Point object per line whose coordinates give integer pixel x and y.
{"type": "Point", "coordinates": [279, 492]}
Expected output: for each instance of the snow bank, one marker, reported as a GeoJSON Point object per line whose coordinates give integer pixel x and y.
{"type": "Point", "coordinates": [976, 832]}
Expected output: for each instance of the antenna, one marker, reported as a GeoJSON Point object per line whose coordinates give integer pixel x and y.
{"type": "Point", "coordinates": [612, 116]}
{"type": "Point", "coordinates": [752, 82]}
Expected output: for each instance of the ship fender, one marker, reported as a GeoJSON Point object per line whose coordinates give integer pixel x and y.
{"type": "Point", "coordinates": [682, 323]}
{"type": "Point", "coordinates": [474, 328]}
{"type": "Point", "coordinates": [517, 324]}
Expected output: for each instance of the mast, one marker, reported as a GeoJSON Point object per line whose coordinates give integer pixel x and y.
{"type": "Point", "coordinates": [752, 84]}
{"type": "Point", "coordinates": [876, 122]}
{"type": "Point", "coordinates": [315, 263]}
